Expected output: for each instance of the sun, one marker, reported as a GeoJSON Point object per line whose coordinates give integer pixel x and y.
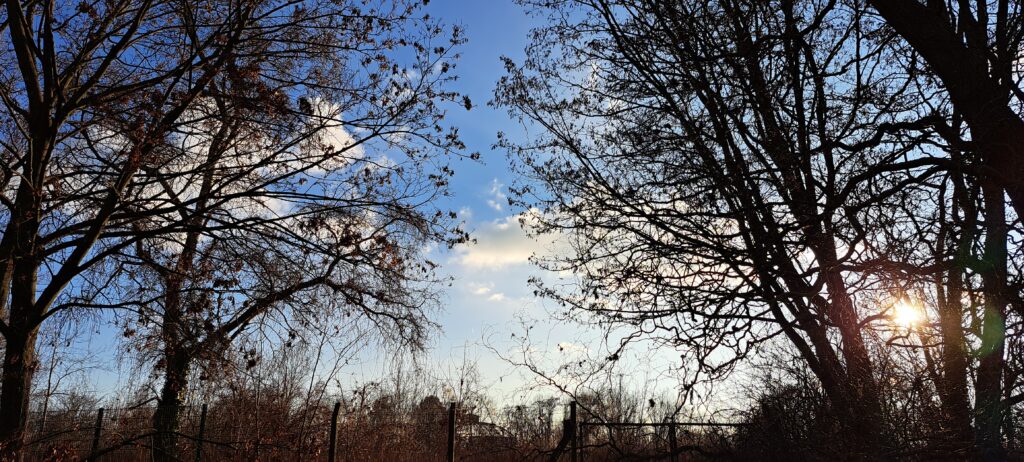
{"type": "Point", "coordinates": [907, 314]}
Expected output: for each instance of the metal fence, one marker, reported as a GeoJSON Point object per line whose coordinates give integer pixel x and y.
{"type": "Point", "coordinates": [592, 438]}
{"type": "Point", "coordinates": [127, 434]}
{"type": "Point", "coordinates": [367, 433]}
{"type": "Point", "coordinates": [224, 433]}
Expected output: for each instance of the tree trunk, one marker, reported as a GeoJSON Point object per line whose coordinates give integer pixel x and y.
{"type": "Point", "coordinates": [1002, 147]}
{"type": "Point", "coordinates": [952, 386]}
{"type": "Point", "coordinates": [177, 356]}
{"type": "Point", "coordinates": [988, 407]}
{"type": "Point", "coordinates": [978, 95]}
{"type": "Point", "coordinates": [176, 364]}
{"type": "Point", "coordinates": [866, 410]}
{"type": "Point", "coordinates": [23, 323]}
{"type": "Point", "coordinates": [949, 288]}
{"type": "Point", "coordinates": [15, 386]}
{"type": "Point", "coordinates": [168, 410]}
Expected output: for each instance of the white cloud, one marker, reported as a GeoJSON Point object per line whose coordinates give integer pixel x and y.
{"type": "Point", "coordinates": [480, 289]}
{"type": "Point", "coordinates": [331, 138]}
{"type": "Point", "coordinates": [502, 243]}
{"type": "Point", "coordinates": [338, 138]}
{"type": "Point", "coordinates": [486, 289]}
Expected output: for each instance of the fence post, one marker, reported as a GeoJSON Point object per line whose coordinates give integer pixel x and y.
{"type": "Point", "coordinates": [96, 435]}
{"type": "Point", "coordinates": [202, 433]}
{"type": "Point", "coordinates": [574, 425]}
{"type": "Point", "coordinates": [334, 433]}
{"type": "Point", "coordinates": [450, 457]}
{"type": "Point", "coordinates": [672, 445]}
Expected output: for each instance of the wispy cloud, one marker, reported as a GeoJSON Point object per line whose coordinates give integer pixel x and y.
{"type": "Point", "coordinates": [497, 199]}
{"type": "Point", "coordinates": [482, 290]}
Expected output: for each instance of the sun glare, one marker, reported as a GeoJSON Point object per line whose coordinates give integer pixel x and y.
{"type": "Point", "coordinates": [907, 314]}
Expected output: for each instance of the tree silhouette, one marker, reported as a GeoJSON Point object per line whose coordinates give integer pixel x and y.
{"type": "Point", "coordinates": [202, 164]}
{"type": "Point", "coordinates": [731, 174]}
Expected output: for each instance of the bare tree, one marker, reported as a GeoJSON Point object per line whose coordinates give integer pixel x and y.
{"type": "Point", "coordinates": [86, 110]}
{"type": "Point", "coordinates": [974, 48]}
{"type": "Point", "coordinates": [725, 171]}
{"type": "Point", "coordinates": [159, 136]}
{"type": "Point", "coordinates": [302, 215]}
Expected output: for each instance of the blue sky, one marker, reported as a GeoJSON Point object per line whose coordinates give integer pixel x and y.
{"type": "Point", "coordinates": [494, 28]}
{"type": "Point", "coordinates": [489, 299]}
{"type": "Point", "coordinates": [489, 288]}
